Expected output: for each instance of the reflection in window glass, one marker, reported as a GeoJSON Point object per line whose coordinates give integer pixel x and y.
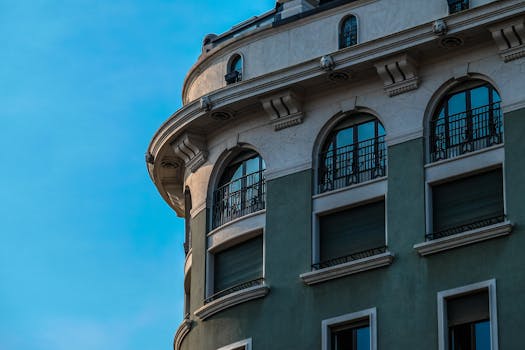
{"type": "Point", "coordinates": [482, 330]}
{"type": "Point", "coordinates": [353, 153]}
{"type": "Point", "coordinates": [466, 121]}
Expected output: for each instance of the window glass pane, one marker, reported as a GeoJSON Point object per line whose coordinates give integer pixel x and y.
{"type": "Point", "coordinates": [479, 97]}
{"type": "Point", "coordinates": [363, 338]}
{"type": "Point", "coordinates": [380, 130]}
{"type": "Point", "coordinates": [366, 131]}
{"type": "Point", "coordinates": [457, 103]}
{"type": "Point", "coordinates": [252, 165]}
{"type": "Point", "coordinates": [344, 137]}
{"type": "Point", "coordinates": [495, 96]}
{"type": "Point", "coordinates": [236, 65]}
{"type": "Point", "coordinates": [482, 330]}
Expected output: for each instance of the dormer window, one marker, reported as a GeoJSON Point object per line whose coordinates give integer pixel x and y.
{"type": "Point", "coordinates": [348, 32]}
{"type": "Point", "coordinates": [234, 70]}
{"type": "Point", "coordinates": [457, 5]}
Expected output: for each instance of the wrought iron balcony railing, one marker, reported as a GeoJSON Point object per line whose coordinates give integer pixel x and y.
{"type": "Point", "coordinates": [348, 258]}
{"type": "Point", "coordinates": [352, 164]}
{"type": "Point", "coordinates": [472, 225]}
{"type": "Point", "coordinates": [465, 132]}
{"type": "Point", "coordinates": [235, 288]}
{"type": "Point", "coordinates": [457, 5]}
{"type": "Point", "coordinates": [239, 197]}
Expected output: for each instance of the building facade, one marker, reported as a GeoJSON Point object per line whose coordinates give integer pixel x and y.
{"type": "Point", "coordinates": [351, 175]}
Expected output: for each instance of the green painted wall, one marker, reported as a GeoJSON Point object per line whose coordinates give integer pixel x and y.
{"type": "Point", "coordinates": [404, 293]}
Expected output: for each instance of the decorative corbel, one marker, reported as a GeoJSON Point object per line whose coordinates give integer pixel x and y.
{"type": "Point", "coordinates": [510, 38]}
{"type": "Point", "coordinates": [284, 109]}
{"type": "Point", "coordinates": [399, 74]}
{"type": "Point", "coordinates": [191, 148]}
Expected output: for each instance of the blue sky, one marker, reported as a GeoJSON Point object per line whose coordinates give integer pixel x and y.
{"type": "Point", "coordinates": [90, 255]}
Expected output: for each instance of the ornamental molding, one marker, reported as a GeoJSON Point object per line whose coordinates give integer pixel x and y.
{"type": "Point", "coordinates": [175, 195]}
{"type": "Point", "coordinates": [284, 109]}
{"type": "Point", "coordinates": [192, 149]}
{"type": "Point", "coordinates": [349, 268]}
{"type": "Point", "coordinates": [465, 238]}
{"type": "Point", "coordinates": [230, 300]}
{"type": "Point", "coordinates": [346, 59]}
{"type": "Point", "coordinates": [510, 38]}
{"type": "Point", "coordinates": [181, 333]}
{"type": "Point", "coordinates": [399, 74]}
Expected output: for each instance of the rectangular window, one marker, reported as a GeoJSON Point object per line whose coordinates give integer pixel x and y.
{"type": "Point", "coordinates": [237, 267]}
{"type": "Point", "coordinates": [468, 203]}
{"type": "Point", "coordinates": [467, 317]}
{"type": "Point", "coordinates": [457, 5]}
{"type": "Point", "coordinates": [355, 331]}
{"type": "Point", "coordinates": [352, 233]}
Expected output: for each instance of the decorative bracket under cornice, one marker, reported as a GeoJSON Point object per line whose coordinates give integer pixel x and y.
{"type": "Point", "coordinates": [399, 74]}
{"type": "Point", "coordinates": [284, 109]}
{"type": "Point", "coordinates": [510, 38]}
{"type": "Point", "coordinates": [191, 148]}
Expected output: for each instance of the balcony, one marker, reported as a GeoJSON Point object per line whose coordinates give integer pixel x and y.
{"type": "Point", "coordinates": [352, 164]}
{"type": "Point", "coordinates": [465, 132]}
{"type": "Point", "coordinates": [238, 198]}
{"type": "Point", "coordinates": [472, 225]}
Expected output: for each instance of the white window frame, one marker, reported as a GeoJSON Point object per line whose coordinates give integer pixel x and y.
{"type": "Point", "coordinates": [489, 285]}
{"type": "Point", "coordinates": [247, 343]}
{"type": "Point", "coordinates": [461, 167]}
{"type": "Point", "coordinates": [348, 318]}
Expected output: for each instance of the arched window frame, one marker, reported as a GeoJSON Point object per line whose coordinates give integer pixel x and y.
{"type": "Point", "coordinates": [478, 126]}
{"type": "Point", "coordinates": [236, 195]}
{"type": "Point", "coordinates": [235, 69]}
{"type": "Point", "coordinates": [348, 36]}
{"type": "Point", "coordinates": [356, 162]}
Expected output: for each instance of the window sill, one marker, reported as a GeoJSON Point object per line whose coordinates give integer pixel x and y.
{"type": "Point", "coordinates": [232, 299]}
{"type": "Point", "coordinates": [181, 333]}
{"type": "Point", "coordinates": [349, 268]}
{"type": "Point", "coordinates": [464, 238]}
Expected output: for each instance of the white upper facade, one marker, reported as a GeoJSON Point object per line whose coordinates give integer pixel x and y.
{"type": "Point", "coordinates": [268, 48]}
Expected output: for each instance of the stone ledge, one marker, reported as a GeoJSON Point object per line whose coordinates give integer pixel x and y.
{"type": "Point", "coordinates": [181, 333]}
{"type": "Point", "coordinates": [230, 300]}
{"type": "Point", "coordinates": [349, 268]}
{"type": "Point", "coordinates": [464, 238]}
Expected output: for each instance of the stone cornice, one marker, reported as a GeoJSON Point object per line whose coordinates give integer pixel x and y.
{"type": "Point", "coordinates": [465, 238]}
{"type": "Point", "coordinates": [230, 300]}
{"type": "Point", "coordinates": [181, 332]}
{"type": "Point", "coordinates": [349, 268]}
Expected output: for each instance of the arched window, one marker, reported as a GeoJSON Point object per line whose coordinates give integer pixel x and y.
{"type": "Point", "coordinates": [241, 188]}
{"type": "Point", "coordinates": [354, 152]}
{"type": "Point", "coordinates": [348, 32]}
{"type": "Point", "coordinates": [234, 70]}
{"type": "Point", "coordinates": [468, 119]}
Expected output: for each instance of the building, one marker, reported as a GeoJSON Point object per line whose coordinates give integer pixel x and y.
{"type": "Point", "coordinates": [351, 175]}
